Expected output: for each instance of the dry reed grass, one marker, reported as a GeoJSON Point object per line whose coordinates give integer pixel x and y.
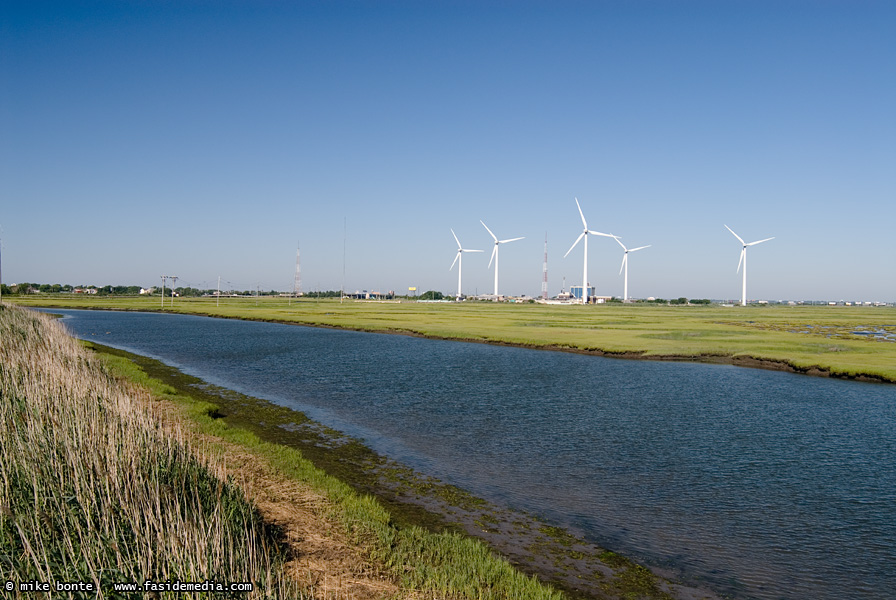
{"type": "Point", "coordinates": [93, 489]}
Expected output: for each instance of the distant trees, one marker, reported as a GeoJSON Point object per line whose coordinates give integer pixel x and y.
{"type": "Point", "coordinates": [431, 295]}
{"type": "Point", "coordinates": [119, 290]}
{"type": "Point", "coordinates": [188, 291]}
{"type": "Point", "coordinates": [24, 288]}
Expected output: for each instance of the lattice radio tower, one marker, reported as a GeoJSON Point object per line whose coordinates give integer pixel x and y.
{"type": "Point", "coordinates": [544, 281]}
{"type": "Point", "coordinates": [297, 287]}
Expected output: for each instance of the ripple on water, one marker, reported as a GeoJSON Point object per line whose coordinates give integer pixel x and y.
{"type": "Point", "coordinates": [764, 484]}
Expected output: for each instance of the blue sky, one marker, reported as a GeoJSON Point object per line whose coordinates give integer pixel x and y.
{"type": "Point", "coordinates": [207, 139]}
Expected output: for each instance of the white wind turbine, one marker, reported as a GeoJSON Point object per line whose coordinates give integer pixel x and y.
{"type": "Point", "coordinates": [584, 234]}
{"type": "Point", "coordinates": [625, 266]}
{"type": "Point", "coordinates": [460, 262]}
{"type": "Point", "coordinates": [495, 252]}
{"type": "Point", "coordinates": [743, 259]}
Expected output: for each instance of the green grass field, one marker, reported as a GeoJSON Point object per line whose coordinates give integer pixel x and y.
{"type": "Point", "coordinates": [817, 339]}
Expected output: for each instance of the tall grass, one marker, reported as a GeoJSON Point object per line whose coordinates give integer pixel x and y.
{"type": "Point", "coordinates": [93, 489]}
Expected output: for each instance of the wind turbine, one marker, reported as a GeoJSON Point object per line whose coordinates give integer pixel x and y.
{"type": "Point", "coordinates": [459, 259]}
{"type": "Point", "coordinates": [584, 234]}
{"type": "Point", "coordinates": [625, 265]}
{"type": "Point", "coordinates": [743, 259]}
{"type": "Point", "coordinates": [495, 252]}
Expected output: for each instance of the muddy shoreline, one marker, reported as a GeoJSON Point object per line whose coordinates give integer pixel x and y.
{"type": "Point", "coordinates": [557, 556]}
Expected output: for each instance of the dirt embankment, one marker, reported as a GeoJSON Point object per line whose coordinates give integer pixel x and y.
{"type": "Point", "coordinates": [322, 558]}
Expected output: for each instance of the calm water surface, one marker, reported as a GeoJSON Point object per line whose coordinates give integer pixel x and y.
{"type": "Point", "coordinates": [756, 483]}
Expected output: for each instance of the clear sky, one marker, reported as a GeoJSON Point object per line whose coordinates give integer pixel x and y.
{"type": "Point", "coordinates": [207, 139]}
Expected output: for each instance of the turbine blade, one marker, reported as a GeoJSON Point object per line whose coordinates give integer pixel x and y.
{"type": "Point", "coordinates": [455, 238]}
{"type": "Point", "coordinates": [581, 214]}
{"type": "Point", "coordinates": [489, 230]}
{"type": "Point", "coordinates": [456, 256]}
{"type": "Point", "coordinates": [495, 251]}
{"type": "Point", "coordinates": [620, 243]}
{"type": "Point", "coordinates": [465, 250]}
{"type": "Point", "coordinates": [760, 241]}
{"type": "Point", "coordinates": [742, 252]}
{"type": "Point", "coordinates": [640, 248]}
{"type": "Point", "coordinates": [622, 266]}
{"type": "Point", "coordinates": [581, 235]}
{"type": "Point", "coordinates": [604, 234]}
{"type": "Point", "coordinates": [734, 234]}
{"type": "Point", "coordinates": [511, 240]}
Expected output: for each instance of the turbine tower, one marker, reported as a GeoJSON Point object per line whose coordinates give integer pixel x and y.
{"type": "Point", "coordinates": [584, 234]}
{"type": "Point", "coordinates": [495, 252]}
{"type": "Point", "coordinates": [459, 259]}
{"type": "Point", "coordinates": [625, 266]}
{"type": "Point", "coordinates": [544, 279]}
{"type": "Point", "coordinates": [743, 259]}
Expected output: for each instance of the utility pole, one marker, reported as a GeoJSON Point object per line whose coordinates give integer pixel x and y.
{"type": "Point", "coordinates": [218, 297]}
{"type": "Point", "coordinates": [164, 278]}
{"type": "Point", "coordinates": [174, 280]}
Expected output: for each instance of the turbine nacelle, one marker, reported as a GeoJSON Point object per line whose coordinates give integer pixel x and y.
{"type": "Point", "coordinates": [626, 251]}
{"type": "Point", "coordinates": [743, 250]}
{"type": "Point", "coordinates": [460, 250]}
{"type": "Point", "coordinates": [494, 256]}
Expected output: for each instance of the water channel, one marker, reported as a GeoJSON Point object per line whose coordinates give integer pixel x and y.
{"type": "Point", "coordinates": [759, 484]}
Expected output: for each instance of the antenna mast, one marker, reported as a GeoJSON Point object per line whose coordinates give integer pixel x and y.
{"type": "Point", "coordinates": [544, 281]}
{"type": "Point", "coordinates": [297, 288]}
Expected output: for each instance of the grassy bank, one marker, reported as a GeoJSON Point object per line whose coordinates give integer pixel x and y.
{"type": "Point", "coordinates": [821, 340]}
{"type": "Point", "coordinates": [413, 501]}
{"type": "Point", "coordinates": [94, 492]}
{"type": "Point", "coordinates": [95, 488]}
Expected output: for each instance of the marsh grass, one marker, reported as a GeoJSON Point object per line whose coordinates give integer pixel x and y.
{"type": "Point", "coordinates": [93, 489]}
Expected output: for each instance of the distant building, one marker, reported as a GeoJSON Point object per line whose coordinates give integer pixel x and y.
{"type": "Point", "coordinates": [576, 291]}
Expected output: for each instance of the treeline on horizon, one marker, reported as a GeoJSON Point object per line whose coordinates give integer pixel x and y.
{"type": "Point", "coordinates": [22, 289]}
